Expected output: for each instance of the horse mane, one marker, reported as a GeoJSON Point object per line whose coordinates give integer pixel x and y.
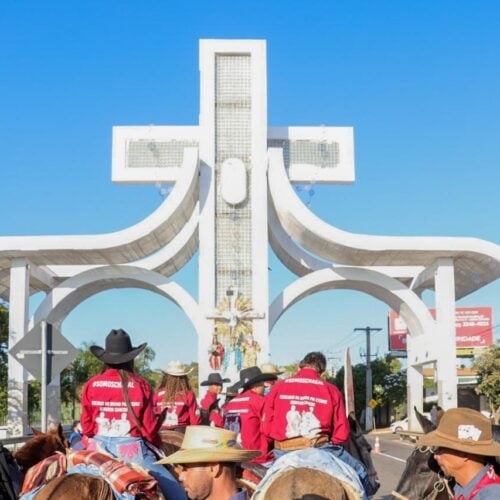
{"type": "Point", "coordinates": [40, 446]}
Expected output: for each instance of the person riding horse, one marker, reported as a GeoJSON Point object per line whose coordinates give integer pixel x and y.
{"type": "Point", "coordinates": [210, 410]}
{"type": "Point", "coordinates": [243, 414]}
{"type": "Point", "coordinates": [461, 443]}
{"type": "Point", "coordinates": [174, 394]}
{"type": "Point", "coordinates": [206, 463]}
{"type": "Point", "coordinates": [118, 414]}
{"type": "Point", "coordinates": [305, 411]}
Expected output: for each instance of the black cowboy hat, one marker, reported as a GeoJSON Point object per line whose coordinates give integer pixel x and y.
{"type": "Point", "coordinates": [118, 348]}
{"type": "Point", "coordinates": [251, 376]}
{"type": "Point", "coordinates": [215, 379]}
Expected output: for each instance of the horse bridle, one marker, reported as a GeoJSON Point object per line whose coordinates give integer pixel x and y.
{"type": "Point", "coordinates": [442, 482]}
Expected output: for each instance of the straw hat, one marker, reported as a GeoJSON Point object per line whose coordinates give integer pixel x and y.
{"type": "Point", "coordinates": [464, 430]}
{"type": "Point", "coordinates": [270, 368]}
{"type": "Point", "coordinates": [118, 348]}
{"type": "Point", "coordinates": [203, 444]}
{"type": "Point", "coordinates": [177, 369]}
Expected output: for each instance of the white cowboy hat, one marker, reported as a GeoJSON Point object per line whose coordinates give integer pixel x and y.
{"type": "Point", "coordinates": [204, 444]}
{"type": "Point", "coordinates": [177, 369]}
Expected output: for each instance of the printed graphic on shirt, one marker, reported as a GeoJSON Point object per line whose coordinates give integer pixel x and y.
{"type": "Point", "coordinates": [114, 427]}
{"type": "Point", "coordinates": [171, 418]}
{"type": "Point", "coordinates": [302, 423]}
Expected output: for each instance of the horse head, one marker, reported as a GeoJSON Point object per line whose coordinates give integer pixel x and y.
{"type": "Point", "coordinates": [40, 446]}
{"type": "Point", "coordinates": [421, 477]}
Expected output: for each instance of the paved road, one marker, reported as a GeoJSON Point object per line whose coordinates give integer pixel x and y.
{"type": "Point", "coordinates": [390, 462]}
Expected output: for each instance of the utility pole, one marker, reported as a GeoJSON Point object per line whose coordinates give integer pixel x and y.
{"type": "Point", "coordinates": [369, 386]}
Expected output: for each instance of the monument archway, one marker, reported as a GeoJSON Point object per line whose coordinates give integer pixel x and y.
{"type": "Point", "coordinates": [72, 292]}
{"type": "Point", "coordinates": [388, 290]}
{"type": "Point", "coordinates": [233, 195]}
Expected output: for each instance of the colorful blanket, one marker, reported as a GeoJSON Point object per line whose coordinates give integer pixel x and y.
{"type": "Point", "coordinates": [123, 478]}
{"type": "Point", "coordinates": [41, 473]}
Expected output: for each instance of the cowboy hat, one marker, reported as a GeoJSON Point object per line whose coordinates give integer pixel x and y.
{"type": "Point", "coordinates": [177, 369]}
{"type": "Point", "coordinates": [463, 429]}
{"type": "Point", "coordinates": [270, 368]}
{"type": "Point", "coordinates": [118, 348]}
{"type": "Point", "coordinates": [215, 379]}
{"type": "Point", "coordinates": [204, 444]}
{"type": "Point", "coordinates": [251, 376]}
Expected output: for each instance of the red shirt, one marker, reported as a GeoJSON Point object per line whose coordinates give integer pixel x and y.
{"type": "Point", "coordinates": [305, 405]}
{"type": "Point", "coordinates": [105, 413]}
{"type": "Point", "coordinates": [181, 412]}
{"type": "Point", "coordinates": [215, 417]}
{"type": "Point", "coordinates": [243, 414]}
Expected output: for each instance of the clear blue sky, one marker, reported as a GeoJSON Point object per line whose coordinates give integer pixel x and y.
{"type": "Point", "coordinates": [418, 81]}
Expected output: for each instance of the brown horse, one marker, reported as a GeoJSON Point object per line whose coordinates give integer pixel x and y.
{"type": "Point", "coordinates": [81, 486]}
{"type": "Point", "coordinates": [41, 446]}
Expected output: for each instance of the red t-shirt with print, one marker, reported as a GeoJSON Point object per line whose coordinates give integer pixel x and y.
{"type": "Point", "coordinates": [105, 413]}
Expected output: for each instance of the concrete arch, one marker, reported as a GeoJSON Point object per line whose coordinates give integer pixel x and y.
{"type": "Point", "coordinates": [387, 289]}
{"type": "Point", "coordinates": [73, 291]}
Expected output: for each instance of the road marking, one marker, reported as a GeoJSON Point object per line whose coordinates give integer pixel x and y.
{"type": "Point", "coordinates": [394, 458]}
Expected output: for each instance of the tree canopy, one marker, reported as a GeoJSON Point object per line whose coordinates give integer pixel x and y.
{"type": "Point", "coordinates": [487, 366]}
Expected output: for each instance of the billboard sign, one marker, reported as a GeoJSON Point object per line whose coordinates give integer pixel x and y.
{"type": "Point", "coordinates": [473, 328]}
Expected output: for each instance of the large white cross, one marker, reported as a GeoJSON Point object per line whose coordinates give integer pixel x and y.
{"type": "Point", "coordinates": [233, 138]}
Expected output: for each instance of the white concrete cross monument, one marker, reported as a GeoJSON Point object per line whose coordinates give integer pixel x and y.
{"type": "Point", "coordinates": [233, 140]}
{"type": "Point", "coordinates": [232, 197]}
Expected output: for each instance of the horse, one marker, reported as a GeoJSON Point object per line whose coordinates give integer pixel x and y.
{"type": "Point", "coordinates": [41, 446]}
{"type": "Point", "coordinates": [46, 450]}
{"type": "Point", "coordinates": [76, 486]}
{"type": "Point", "coordinates": [422, 477]}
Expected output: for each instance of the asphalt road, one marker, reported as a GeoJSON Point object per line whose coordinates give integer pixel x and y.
{"type": "Point", "coordinates": [390, 462]}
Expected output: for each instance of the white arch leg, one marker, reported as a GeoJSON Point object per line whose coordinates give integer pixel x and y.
{"type": "Point", "coordinates": [446, 365]}
{"type": "Point", "coordinates": [17, 402]}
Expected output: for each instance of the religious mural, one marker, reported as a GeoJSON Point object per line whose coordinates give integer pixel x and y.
{"type": "Point", "coordinates": [233, 346]}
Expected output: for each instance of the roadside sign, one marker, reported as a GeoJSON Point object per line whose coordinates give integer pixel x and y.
{"type": "Point", "coordinates": [372, 403]}
{"type": "Point", "coordinates": [60, 352]}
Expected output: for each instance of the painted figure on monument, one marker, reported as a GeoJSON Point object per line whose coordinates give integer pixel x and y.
{"type": "Point", "coordinates": [217, 353]}
{"type": "Point", "coordinates": [233, 346]}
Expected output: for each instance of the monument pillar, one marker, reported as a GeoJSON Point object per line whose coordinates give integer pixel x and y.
{"type": "Point", "coordinates": [17, 402]}
{"type": "Point", "coordinates": [446, 363]}
{"type": "Point", "coordinates": [233, 193]}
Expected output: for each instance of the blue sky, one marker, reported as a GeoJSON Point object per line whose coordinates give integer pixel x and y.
{"type": "Point", "coordinates": [418, 81]}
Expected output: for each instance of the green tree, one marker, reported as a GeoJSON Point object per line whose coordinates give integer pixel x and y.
{"type": "Point", "coordinates": [387, 385]}
{"type": "Point", "coordinates": [488, 372]}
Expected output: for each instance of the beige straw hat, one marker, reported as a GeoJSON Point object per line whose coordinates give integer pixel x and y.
{"type": "Point", "coordinates": [465, 430]}
{"type": "Point", "coordinates": [177, 369]}
{"type": "Point", "coordinates": [203, 443]}
{"type": "Point", "coordinates": [270, 368]}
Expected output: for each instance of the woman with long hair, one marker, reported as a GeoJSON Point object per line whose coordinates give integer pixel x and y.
{"type": "Point", "coordinates": [175, 397]}
{"type": "Point", "coordinates": [118, 417]}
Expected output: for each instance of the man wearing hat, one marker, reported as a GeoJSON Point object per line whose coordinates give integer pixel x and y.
{"type": "Point", "coordinates": [320, 407]}
{"type": "Point", "coordinates": [118, 413]}
{"type": "Point", "coordinates": [206, 463]}
{"type": "Point", "coordinates": [243, 414]}
{"type": "Point", "coordinates": [273, 369]}
{"type": "Point", "coordinates": [462, 442]}
{"type": "Point", "coordinates": [210, 411]}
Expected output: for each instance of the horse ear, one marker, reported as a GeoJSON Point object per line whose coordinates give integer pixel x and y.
{"type": "Point", "coordinates": [36, 432]}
